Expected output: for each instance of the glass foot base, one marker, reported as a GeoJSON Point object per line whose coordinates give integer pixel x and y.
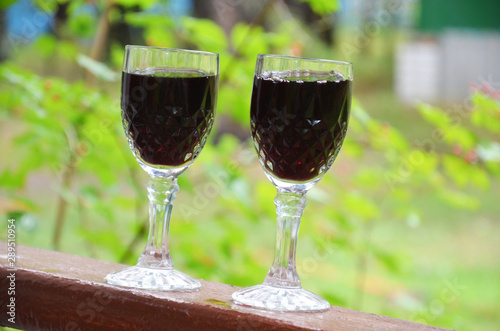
{"type": "Point", "coordinates": [280, 298]}
{"type": "Point", "coordinates": [153, 279]}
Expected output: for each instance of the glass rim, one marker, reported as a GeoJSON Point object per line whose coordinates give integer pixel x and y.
{"type": "Point", "coordinates": [291, 57]}
{"type": "Point", "coordinates": [127, 47]}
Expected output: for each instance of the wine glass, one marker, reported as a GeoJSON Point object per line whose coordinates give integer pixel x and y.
{"type": "Point", "coordinates": [299, 115]}
{"type": "Point", "coordinates": [168, 103]}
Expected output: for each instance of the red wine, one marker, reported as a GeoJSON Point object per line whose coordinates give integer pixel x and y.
{"type": "Point", "coordinates": [299, 122]}
{"type": "Point", "coordinates": [168, 114]}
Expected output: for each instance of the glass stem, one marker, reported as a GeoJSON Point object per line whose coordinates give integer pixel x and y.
{"type": "Point", "coordinates": [161, 194]}
{"type": "Point", "coordinates": [289, 207]}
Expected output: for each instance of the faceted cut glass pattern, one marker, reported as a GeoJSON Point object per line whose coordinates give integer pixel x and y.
{"type": "Point", "coordinates": [297, 149]}
{"type": "Point", "coordinates": [280, 298]}
{"type": "Point", "coordinates": [187, 133]}
{"type": "Point", "coordinates": [167, 119]}
{"type": "Point", "coordinates": [299, 130]}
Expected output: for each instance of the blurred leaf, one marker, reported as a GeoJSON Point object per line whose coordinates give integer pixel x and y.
{"type": "Point", "coordinates": [142, 19]}
{"type": "Point", "coordinates": [117, 54]}
{"type": "Point", "coordinates": [103, 238]}
{"type": "Point", "coordinates": [358, 113]}
{"type": "Point", "coordinates": [205, 33]}
{"type": "Point", "coordinates": [279, 40]}
{"type": "Point", "coordinates": [46, 45]}
{"type": "Point", "coordinates": [233, 99]}
{"type": "Point", "coordinates": [459, 199]}
{"type": "Point", "coordinates": [159, 37]}
{"type": "Point", "coordinates": [459, 135]}
{"type": "Point", "coordinates": [67, 49]}
{"type": "Point", "coordinates": [494, 168]}
{"type": "Point", "coordinates": [360, 206]}
{"type": "Point", "coordinates": [368, 178]}
{"type": "Point", "coordinates": [249, 40]}
{"type": "Point", "coordinates": [479, 178]}
{"type": "Point", "coordinates": [426, 163]}
{"type": "Point", "coordinates": [383, 136]}
{"type": "Point", "coordinates": [464, 173]}
{"type": "Point", "coordinates": [387, 259]}
{"type": "Point", "coordinates": [98, 69]}
{"type": "Point", "coordinates": [6, 3]}
{"type": "Point", "coordinates": [457, 169]}
{"type": "Point", "coordinates": [352, 148]}
{"type": "Point", "coordinates": [323, 6]}
{"type": "Point", "coordinates": [264, 196]}
{"type": "Point", "coordinates": [132, 3]}
{"type": "Point", "coordinates": [434, 115]}
{"type": "Point", "coordinates": [486, 113]}
{"type": "Point", "coordinates": [13, 179]}
{"type": "Point", "coordinates": [83, 25]}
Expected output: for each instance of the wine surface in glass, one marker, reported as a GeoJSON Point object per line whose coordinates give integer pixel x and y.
{"type": "Point", "coordinates": [299, 121]}
{"type": "Point", "coordinates": [167, 114]}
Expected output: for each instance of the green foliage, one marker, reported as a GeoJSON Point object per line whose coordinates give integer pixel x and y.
{"type": "Point", "coordinates": [83, 25]}
{"type": "Point", "coordinates": [323, 6]}
{"type": "Point", "coordinates": [5, 4]}
{"type": "Point", "coordinates": [486, 113]}
{"type": "Point", "coordinates": [205, 33]}
{"type": "Point", "coordinates": [223, 220]}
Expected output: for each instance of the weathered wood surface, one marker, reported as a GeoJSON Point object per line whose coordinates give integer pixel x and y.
{"type": "Point", "coordinates": [56, 291]}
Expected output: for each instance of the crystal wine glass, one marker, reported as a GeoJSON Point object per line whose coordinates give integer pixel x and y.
{"type": "Point", "coordinates": [299, 115]}
{"type": "Point", "coordinates": [168, 106]}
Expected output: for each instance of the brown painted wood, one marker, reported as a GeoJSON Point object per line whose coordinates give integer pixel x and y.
{"type": "Point", "coordinates": [56, 291]}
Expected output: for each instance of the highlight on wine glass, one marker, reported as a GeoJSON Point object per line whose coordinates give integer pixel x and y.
{"type": "Point", "coordinates": [299, 116]}
{"type": "Point", "coordinates": [168, 102]}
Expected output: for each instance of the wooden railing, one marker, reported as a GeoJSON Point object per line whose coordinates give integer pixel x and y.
{"type": "Point", "coordinates": [56, 291]}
